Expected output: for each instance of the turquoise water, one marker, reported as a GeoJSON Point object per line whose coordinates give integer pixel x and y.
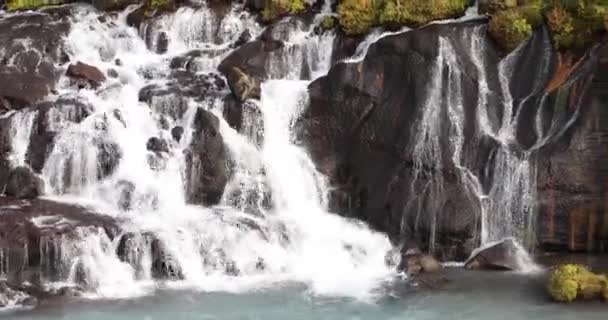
{"type": "Point", "coordinates": [468, 295]}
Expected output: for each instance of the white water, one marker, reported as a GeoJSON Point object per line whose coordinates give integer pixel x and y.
{"type": "Point", "coordinates": [295, 237]}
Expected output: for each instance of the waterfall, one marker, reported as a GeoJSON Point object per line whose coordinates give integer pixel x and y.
{"type": "Point", "coordinates": [272, 223]}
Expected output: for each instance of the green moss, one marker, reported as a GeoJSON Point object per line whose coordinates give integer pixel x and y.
{"type": "Point", "coordinates": [356, 16]}
{"type": "Point", "coordinates": [328, 23]}
{"type": "Point", "coordinates": [16, 5]}
{"type": "Point", "coordinates": [274, 9]}
{"type": "Point", "coordinates": [569, 281]}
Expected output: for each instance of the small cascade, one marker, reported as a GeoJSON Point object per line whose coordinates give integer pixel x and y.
{"type": "Point", "coordinates": [21, 125]}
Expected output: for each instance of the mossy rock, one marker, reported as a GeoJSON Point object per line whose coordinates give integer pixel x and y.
{"type": "Point", "coordinates": [18, 5]}
{"type": "Point", "coordinates": [358, 16]}
{"type": "Point", "coordinates": [415, 13]}
{"type": "Point", "coordinates": [513, 26]}
{"type": "Point", "coordinates": [274, 9]}
{"type": "Point", "coordinates": [571, 281]}
{"type": "Point", "coordinates": [328, 23]}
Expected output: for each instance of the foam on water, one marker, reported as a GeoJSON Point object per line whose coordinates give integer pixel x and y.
{"type": "Point", "coordinates": [235, 246]}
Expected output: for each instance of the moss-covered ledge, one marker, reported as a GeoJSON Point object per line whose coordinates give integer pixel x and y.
{"type": "Point", "coordinates": [571, 281]}
{"type": "Point", "coordinates": [358, 16]}
{"type": "Point", "coordinates": [18, 5]}
{"type": "Point", "coordinates": [574, 24]}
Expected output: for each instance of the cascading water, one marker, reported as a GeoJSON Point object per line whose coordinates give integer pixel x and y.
{"type": "Point", "coordinates": [286, 234]}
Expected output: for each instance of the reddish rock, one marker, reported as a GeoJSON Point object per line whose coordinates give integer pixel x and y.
{"type": "Point", "coordinates": [85, 72]}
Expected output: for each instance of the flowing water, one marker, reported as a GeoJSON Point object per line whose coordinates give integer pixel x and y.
{"type": "Point", "coordinates": [295, 259]}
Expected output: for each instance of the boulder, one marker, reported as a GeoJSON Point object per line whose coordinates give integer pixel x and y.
{"type": "Point", "coordinates": [24, 184]}
{"type": "Point", "coordinates": [177, 133]}
{"type": "Point", "coordinates": [413, 264]}
{"type": "Point", "coordinates": [245, 68]}
{"type": "Point", "coordinates": [206, 161]}
{"type": "Point", "coordinates": [503, 255]}
{"type": "Point", "coordinates": [157, 145]}
{"type": "Point", "coordinates": [85, 73]}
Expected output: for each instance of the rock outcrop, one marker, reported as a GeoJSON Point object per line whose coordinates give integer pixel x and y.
{"type": "Point", "coordinates": [24, 184]}
{"type": "Point", "coordinates": [28, 70]}
{"type": "Point", "coordinates": [500, 256]}
{"type": "Point", "coordinates": [206, 161]}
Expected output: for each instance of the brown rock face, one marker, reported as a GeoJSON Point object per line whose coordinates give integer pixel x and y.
{"type": "Point", "coordinates": [84, 72]}
{"type": "Point", "coordinates": [573, 172]}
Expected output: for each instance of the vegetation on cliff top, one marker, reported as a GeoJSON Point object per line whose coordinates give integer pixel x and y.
{"type": "Point", "coordinates": [358, 16]}
{"type": "Point", "coordinates": [274, 9]}
{"type": "Point", "coordinates": [570, 281]}
{"type": "Point", "coordinates": [573, 23]}
{"type": "Point", "coordinates": [15, 5]}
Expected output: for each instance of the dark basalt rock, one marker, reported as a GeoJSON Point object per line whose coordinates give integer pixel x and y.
{"type": "Point", "coordinates": [85, 74]}
{"type": "Point", "coordinates": [108, 158]}
{"type": "Point", "coordinates": [29, 73]}
{"type": "Point", "coordinates": [43, 224]}
{"type": "Point", "coordinates": [177, 133]}
{"type": "Point", "coordinates": [43, 133]}
{"type": "Point", "coordinates": [500, 256]}
{"type": "Point", "coordinates": [245, 68]}
{"type": "Point", "coordinates": [24, 184]}
{"type": "Point", "coordinates": [364, 119]}
{"type": "Point", "coordinates": [206, 161]}
{"type": "Point", "coordinates": [158, 145]}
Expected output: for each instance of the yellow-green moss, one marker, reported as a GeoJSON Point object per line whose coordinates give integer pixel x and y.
{"type": "Point", "coordinates": [358, 16]}
{"type": "Point", "coordinates": [16, 5]}
{"type": "Point", "coordinates": [569, 281]}
{"type": "Point", "coordinates": [572, 23]}
{"type": "Point", "coordinates": [274, 9]}
{"type": "Point", "coordinates": [328, 23]}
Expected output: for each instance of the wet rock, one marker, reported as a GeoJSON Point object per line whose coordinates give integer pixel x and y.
{"type": "Point", "coordinates": [500, 256]}
{"type": "Point", "coordinates": [162, 43]}
{"type": "Point", "coordinates": [177, 133]}
{"type": "Point", "coordinates": [245, 68]}
{"type": "Point", "coordinates": [158, 145]}
{"type": "Point", "coordinates": [369, 113]}
{"type": "Point", "coordinates": [47, 225]}
{"type": "Point", "coordinates": [127, 191]}
{"type": "Point", "coordinates": [164, 265]}
{"type": "Point", "coordinates": [206, 161]}
{"type": "Point", "coordinates": [48, 121]}
{"type": "Point", "coordinates": [14, 296]}
{"type": "Point", "coordinates": [243, 38]}
{"type": "Point", "coordinates": [108, 158]}
{"type": "Point", "coordinates": [24, 184]}
{"type": "Point", "coordinates": [86, 73]}
{"type": "Point", "coordinates": [28, 71]}
{"type": "Point", "coordinates": [112, 73]}
{"type": "Point", "coordinates": [415, 263]}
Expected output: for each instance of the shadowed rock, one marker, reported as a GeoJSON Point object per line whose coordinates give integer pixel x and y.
{"type": "Point", "coordinates": [206, 161]}
{"type": "Point", "coordinates": [24, 184]}
{"type": "Point", "coordinates": [500, 256]}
